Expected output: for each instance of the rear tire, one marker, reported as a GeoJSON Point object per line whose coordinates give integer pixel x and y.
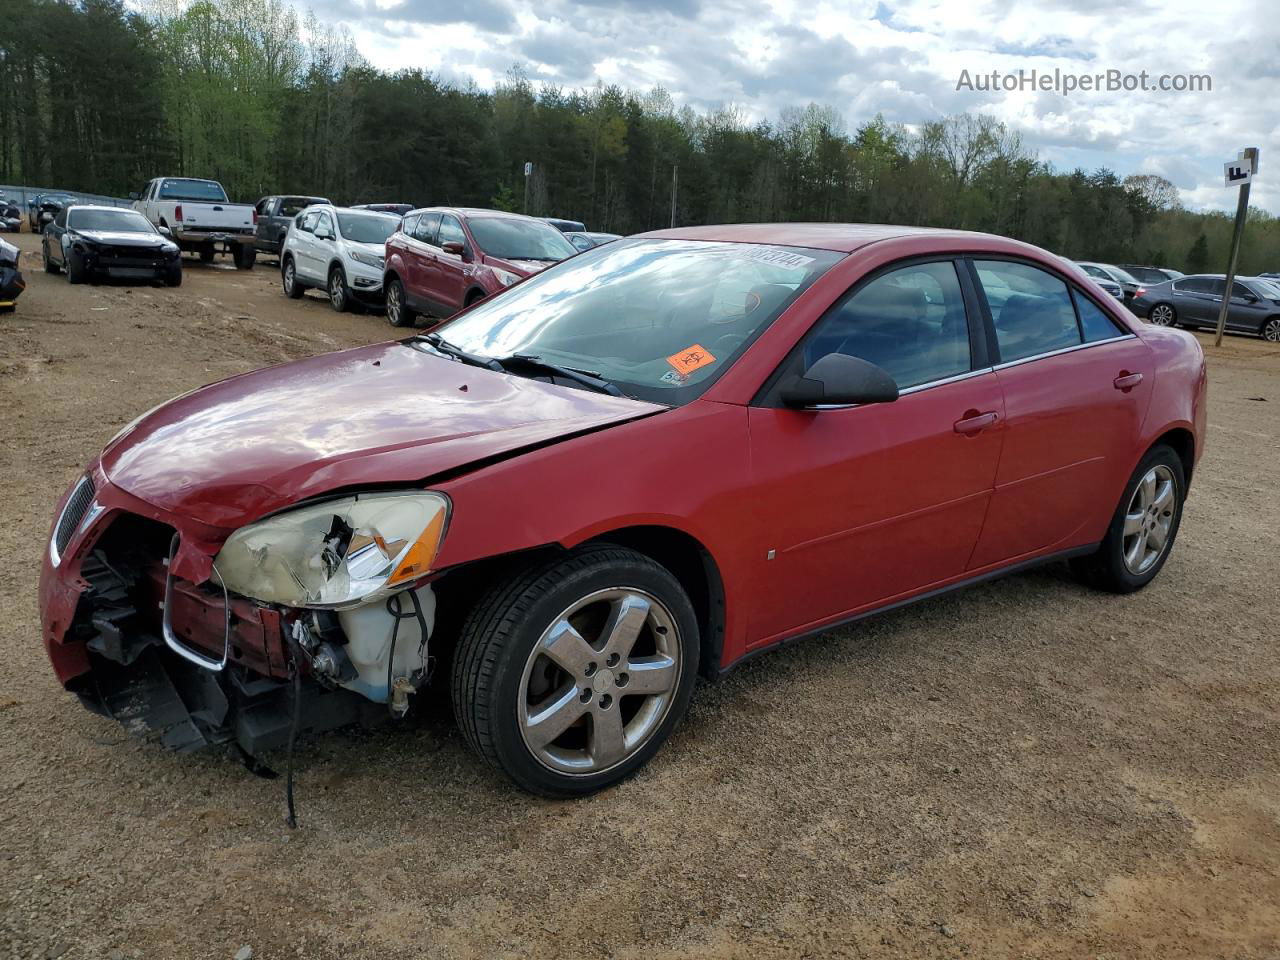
{"type": "Point", "coordinates": [206, 254]}
{"type": "Point", "coordinates": [1271, 330]}
{"type": "Point", "coordinates": [571, 675]}
{"type": "Point", "coordinates": [49, 265]}
{"type": "Point", "coordinates": [398, 312]}
{"type": "Point", "coordinates": [245, 257]}
{"type": "Point", "coordinates": [289, 279]}
{"type": "Point", "coordinates": [1143, 527]}
{"type": "Point", "coordinates": [1163, 315]}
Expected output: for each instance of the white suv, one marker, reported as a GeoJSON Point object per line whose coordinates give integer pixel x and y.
{"type": "Point", "coordinates": [339, 250]}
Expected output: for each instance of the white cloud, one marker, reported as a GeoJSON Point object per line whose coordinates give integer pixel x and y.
{"type": "Point", "coordinates": [900, 58]}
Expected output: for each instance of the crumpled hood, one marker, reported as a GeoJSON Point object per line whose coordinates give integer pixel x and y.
{"type": "Point", "coordinates": [229, 453]}
{"type": "Point", "coordinates": [124, 238]}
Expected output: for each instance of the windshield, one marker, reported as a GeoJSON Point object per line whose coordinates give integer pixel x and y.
{"type": "Point", "coordinates": [367, 227]}
{"type": "Point", "coordinates": [206, 190]}
{"type": "Point", "coordinates": [513, 239]}
{"type": "Point", "coordinates": [121, 221]}
{"type": "Point", "coordinates": [659, 318]}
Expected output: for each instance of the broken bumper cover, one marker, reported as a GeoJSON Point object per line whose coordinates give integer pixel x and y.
{"type": "Point", "coordinates": [102, 588]}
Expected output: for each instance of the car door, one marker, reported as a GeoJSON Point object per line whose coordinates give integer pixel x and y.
{"type": "Point", "coordinates": [869, 503]}
{"type": "Point", "coordinates": [53, 241]}
{"type": "Point", "coordinates": [1076, 383]}
{"type": "Point", "coordinates": [301, 245]}
{"type": "Point", "coordinates": [1247, 311]}
{"type": "Point", "coordinates": [1200, 301]}
{"type": "Point", "coordinates": [321, 244]}
{"type": "Point", "coordinates": [451, 274]}
{"type": "Point", "coordinates": [422, 261]}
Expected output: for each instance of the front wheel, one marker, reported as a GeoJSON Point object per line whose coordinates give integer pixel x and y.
{"type": "Point", "coordinates": [398, 312]}
{"type": "Point", "coordinates": [570, 676]}
{"type": "Point", "coordinates": [1143, 527]}
{"type": "Point", "coordinates": [1163, 315]}
{"type": "Point", "coordinates": [339, 296]}
{"type": "Point", "coordinates": [173, 276]}
{"type": "Point", "coordinates": [289, 279]}
{"type": "Point", "coordinates": [76, 273]}
{"type": "Point", "coordinates": [1271, 330]}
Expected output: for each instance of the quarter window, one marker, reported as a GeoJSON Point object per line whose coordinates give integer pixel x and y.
{"type": "Point", "coordinates": [1095, 324]}
{"type": "Point", "coordinates": [1030, 308]}
{"type": "Point", "coordinates": [910, 322]}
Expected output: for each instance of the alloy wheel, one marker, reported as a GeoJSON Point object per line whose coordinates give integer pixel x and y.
{"type": "Point", "coordinates": [289, 279]}
{"type": "Point", "coordinates": [1162, 315]}
{"type": "Point", "coordinates": [600, 681]}
{"type": "Point", "coordinates": [393, 303]}
{"type": "Point", "coordinates": [337, 291]}
{"type": "Point", "coordinates": [1148, 520]}
{"type": "Point", "coordinates": [1271, 330]}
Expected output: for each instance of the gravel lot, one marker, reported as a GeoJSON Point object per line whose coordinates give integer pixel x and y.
{"type": "Point", "coordinates": [1024, 769]}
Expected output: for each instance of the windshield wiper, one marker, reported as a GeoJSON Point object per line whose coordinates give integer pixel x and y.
{"type": "Point", "coordinates": [587, 378]}
{"type": "Point", "coordinates": [441, 345]}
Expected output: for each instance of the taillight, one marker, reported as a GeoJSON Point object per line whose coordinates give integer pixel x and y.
{"type": "Point", "coordinates": [177, 213]}
{"type": "Point", "coordinates": [1140, 292]}
{"type": "Point", "coordinates": [255, 216]}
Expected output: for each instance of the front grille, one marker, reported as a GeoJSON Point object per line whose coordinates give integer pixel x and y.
{"type": "Point", "coordinates": [128, 256]}
{"type": "Point", "coordinates": [72, 514]}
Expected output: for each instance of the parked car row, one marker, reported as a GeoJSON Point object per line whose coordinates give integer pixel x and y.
{"type": "Point", "coordinates": [10, 215]}
{"type": "Point", "coordinates": [1196, 301]}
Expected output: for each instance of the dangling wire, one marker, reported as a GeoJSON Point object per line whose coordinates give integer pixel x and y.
{"type": "Point", "coordinates": [396, 609]}
{"type": "Point", "coordinates": [295, 674]}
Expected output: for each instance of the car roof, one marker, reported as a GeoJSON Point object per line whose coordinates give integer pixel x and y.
{"type": "Point", "coordinates": [366, 211]}
{"type": "Point", "coordinates": [838, 237]}
{"type": "Point", "coordinates": [476, 212]}
{"type": "Point", "coordinates": [101, 206]}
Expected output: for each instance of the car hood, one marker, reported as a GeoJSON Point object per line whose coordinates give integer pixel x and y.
{"type": "Point", "coordinates": [390, 413]}
{"type": "Point", "coordinates": [525, 268]}
{"type": "Point", "coordinates": [123, 238]}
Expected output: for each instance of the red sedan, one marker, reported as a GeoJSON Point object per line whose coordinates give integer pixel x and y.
{"type": "Point", "coordinates": [636, 468]}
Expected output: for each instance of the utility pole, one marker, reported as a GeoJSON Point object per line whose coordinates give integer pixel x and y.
{"type": "Point", "coordinates": [1241, 172]}
{"type": "Point", "coordinates": [675, 171]}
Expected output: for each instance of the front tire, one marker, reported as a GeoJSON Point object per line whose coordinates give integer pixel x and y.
{"type": "Point", "coordinates": [1143, 528]}
{"type": "Point", "coordinates": [1163, 315]}
{"type": "Point", "coordinates": [339, 295]}
{"type": "Point", "coordinates": [76, 273]}
{"type": "Point", "coordinates": [289, 279]}
{"type": "Point", "coordinates": [398, 312]}
{"type": "Point", "coordinates": [173, 277]}
{"type": "Point", "coordinates": [570, 676]}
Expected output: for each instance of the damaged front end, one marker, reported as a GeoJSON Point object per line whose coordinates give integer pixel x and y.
{"type": "Point", "coordinates": [141, 626]}
{"type": "Point", "coordinates": [11, 282]}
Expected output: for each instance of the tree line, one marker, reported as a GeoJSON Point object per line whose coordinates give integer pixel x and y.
{"type": "Point", "coordinates": [98, 97]}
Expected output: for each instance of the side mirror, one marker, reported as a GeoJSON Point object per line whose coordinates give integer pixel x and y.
{"type": "Point", "coordinates": [454, 247]}
{"type": "Point", "coordinates": [1249, 298]}
{"type": "Point", "coordinates": [839, 379]}
{"type": "Point", "coordinates": [323, 235]}
{"type": "Point", "coordinates": [164, 231]}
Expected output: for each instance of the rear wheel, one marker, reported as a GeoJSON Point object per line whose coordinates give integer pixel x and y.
{"type": "Point", "coordinates": [1143, 527]}
{"type": "Point", "coordinates": [206, 254]}
{"type": "Point", "coordinates": [1271, 330]}
{"type": "Point", "coordinates": [570, 676]}
{"type": "Point", "coordinates": [339, 296]}
{"type": "Point", "coordinates": [289, 279]}
{"type": "Point", "coordinates": [398, 312]}
{"type": "Point", "coordinates": [245, 256]}
{"type": "Point", "coordinates": [1163, 315]}
{"type": "Point", "coordinates": [49, 265]}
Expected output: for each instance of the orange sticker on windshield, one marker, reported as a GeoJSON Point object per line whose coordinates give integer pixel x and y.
{"type": "Point", "coordinates": [690, 359]}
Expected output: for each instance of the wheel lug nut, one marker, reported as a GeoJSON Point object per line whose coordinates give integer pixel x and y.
{"type": "Point", "coordinates": [622, 679]}
{"type": "Point", "coordinates": [591, 669]}
{"type": "Point", "coordinates": [605, 702]}
{"type": "Point", "coordinates": [612, 661]}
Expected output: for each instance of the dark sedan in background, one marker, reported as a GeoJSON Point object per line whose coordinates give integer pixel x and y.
{"type": "Point", "coordinates": [45, 207]}
{"type": "Point", "coordinates": [1107, 271]}
{"type": "Point", "coordinates": [10, 216]}
{"type": "Point", "coordinates": [109, 241]}
{"type": "Point", "coordinates": [1150, 274]}
{"type": "Point", "coordinates": [1195, 301]}
{"type": "Point", "coordinates": [11, 282]}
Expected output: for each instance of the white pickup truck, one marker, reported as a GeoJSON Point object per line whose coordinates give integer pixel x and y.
{"type": "Point", "coordinates": [199, 217]}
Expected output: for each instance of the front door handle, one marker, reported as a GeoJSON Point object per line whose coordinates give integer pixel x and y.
{"type": "Point", "coordinates": [1127, 381]}
{"type": "Point", "coordinates": [974, 422]}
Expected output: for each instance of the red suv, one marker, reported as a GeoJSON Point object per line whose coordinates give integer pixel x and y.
{"type": "Point", "coordinates": [445, 258]}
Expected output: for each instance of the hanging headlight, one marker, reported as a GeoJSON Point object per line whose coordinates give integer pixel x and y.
{"type": "Point", "coordinates": [338, 553]}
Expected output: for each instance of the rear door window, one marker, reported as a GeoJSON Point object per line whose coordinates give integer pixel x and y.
{"type": "Point", "coordinates": [1031, 309]}
{"type": "Point", "coordinates": [427, 228]}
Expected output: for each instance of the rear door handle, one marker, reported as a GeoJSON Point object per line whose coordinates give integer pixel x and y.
{"type": "Point", "coordinates": [1127, 381]}
{"type": "Point", "coordinates": [974, 422]}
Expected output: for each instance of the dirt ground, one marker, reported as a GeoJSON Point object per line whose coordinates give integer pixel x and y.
{"type": "Point", "coordinates": [1023, 769]}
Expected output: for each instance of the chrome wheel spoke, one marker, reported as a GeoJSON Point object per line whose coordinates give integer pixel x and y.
{"type": "Point", "coordinates": [1164, 498]}
{"type": "Point", "coordinates": [1147, 489]}
{"type": "Point", "coordinates": [1133, 523]}
{"type": "Point", "coordinates": [626, 620]}
{"type": "Point", "coordinates": [650, 676]}
{"type": "Point", "coordinates": [1157, 536]}
{"type": "Point", "coordinates": [1134, 555]}
{"type": "Point", "coordinates": [608, 737]}
{"type": "Point", "coordinates": [554, 716]}
{"type": "Point", "coordinates": [568, 649]}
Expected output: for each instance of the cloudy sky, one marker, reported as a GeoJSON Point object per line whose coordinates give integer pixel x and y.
{"type": "Point", "coordinates": [902, 58]}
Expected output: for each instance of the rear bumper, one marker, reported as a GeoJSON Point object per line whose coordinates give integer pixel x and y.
{"type": "Point", "coordinates": [232, 237]}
